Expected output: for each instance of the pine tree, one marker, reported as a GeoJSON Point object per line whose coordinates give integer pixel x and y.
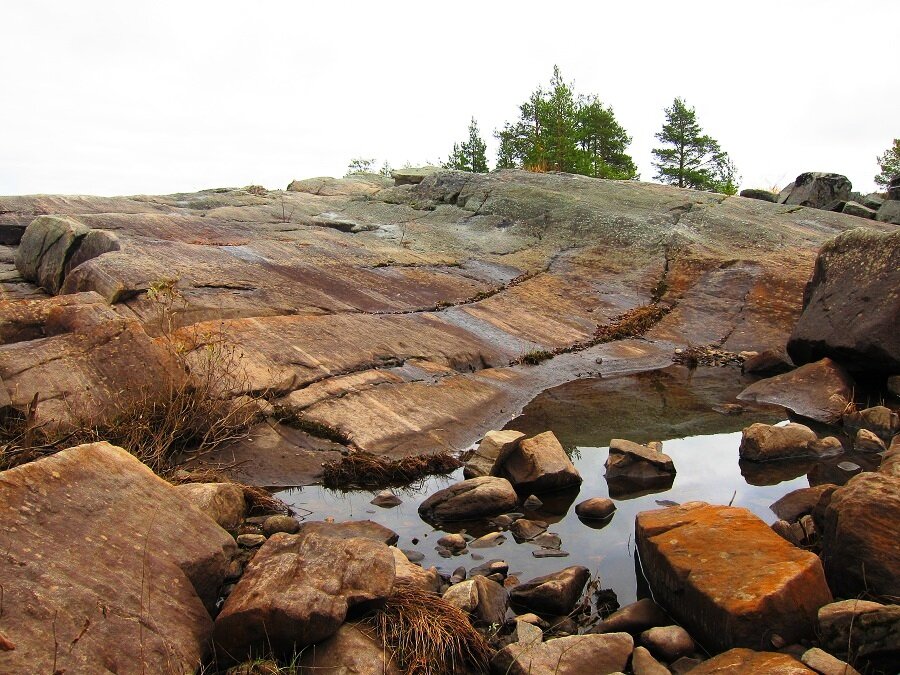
{"type": "Point", "coordinates": [889, 163]}
{"type": "Point", "coordinates": [469, 155]}
{"type": "Point", "coordinates": [557, 131]}
{"type": "Point", "coordinates": [692, 159]}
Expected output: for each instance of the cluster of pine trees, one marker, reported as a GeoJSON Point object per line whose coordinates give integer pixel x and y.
{"type": "Point", "coordinates": [558, 130]}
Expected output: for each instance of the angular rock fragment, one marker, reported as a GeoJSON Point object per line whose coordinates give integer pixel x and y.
{"type": "Point", "coordinates": [554, 593]}
{"type": "Point", "coordinates": [297, 590]}
{"type": "Point", "coordinates": [539, 464]}
{"type": "Point", "coordinates": [637, 462]}
{"type": "Point", "coordinates": [574, 655]}
{"type": "Point", "coordinates": [223, 502]}
{"type": "Point", "coordinates": [365, 529]}
{"type": "Point", "coordinates": [493, 447]}
{"type": "Point", "coordinates": [485, 601]}
{"type": "Point", "coordinates": [861, 629]}
{"type": "Point", "coordinates": [350, 651]}
{"type": "Point", "coordinates": [825, 664]}
{"type": "Point", "coordinates": [766, 442]}
{"type": "Point", "coordinates": [879, 419]}
{"type": "Point", "coordinates": [634, 618]}
{"type": "Point", "coordinates": [727, 577]}
{"type": "Point", "coordinates": [816, 190]}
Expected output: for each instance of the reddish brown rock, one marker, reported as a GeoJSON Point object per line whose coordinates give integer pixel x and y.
{"type": "Point", "coordinates": [350, 651]}
{"type": "Point", "coordinates": [879, 419]}
{"type": "Point", "coordinates": [765, 442]}
{"type": "Point", "coordinates": [575, 655]}
{"type": "Point", "coordinates": [485, 601]}
{"type": "Point", "coordinates": [223, 502]}
{"type": "Point", "coordinates": [864, 629]}
{"type": "Point", "coordinates": [634, 618]}
{"type": "Point", "coordinates": [740, 661]}
{"type": "Point", "coordinates": [637, 462]}
{"type": "Point", "coordinates": [554, 593]}
{"type": "Point", "coordinates": [495, 445]}
{"type": "Point", "coordinates": [351, 529]}
{"type": "Point", "coordinates": [101, 556]}
{"type": "Point", "coordinates": [800, 502]}
{"type": "Point", "coordinates": [819, 391]}
{"type": "Point", "coordinates": [539, 464]}
{"type": "Point", "coordinates": [860, 547]}
{"type": "Point", "coordinates": [473, 498]}
{"type": "Point", "coordinates": [297, 591]}
{"type": "Point", "coordinates": [726, 577]}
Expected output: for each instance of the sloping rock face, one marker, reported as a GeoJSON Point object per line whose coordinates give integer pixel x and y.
{"type": "Point", "coordinates": [89, 563]}
{"type": "Point", "coordinates": [757, 584]}
{"type": "Point", "coordinates": [297, 591]}
{"type": "Point", "coordinates": [851, 304]}
{"type": "Point", "coordinates": [392, 313]}
{"type": "Point", "coordinates": [860, 548]}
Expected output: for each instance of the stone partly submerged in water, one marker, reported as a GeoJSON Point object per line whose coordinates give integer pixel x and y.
{"type": "Point", "coordinates": [470, 499]}
{"type": "Point", "coordinates": [727, 577]}
{"type": "Point", "coordinates": [495, 445]}
{"type": "Point", "coordinates": [766, 442]}
{"type": "Point", "coordinates": [637, 462]}
{"type": "Point", "coordinates": [539, 464]}
{"type": "Point", "coordinates": [820, 391]}
{"type": "Point", "coordinates": [102, 549]}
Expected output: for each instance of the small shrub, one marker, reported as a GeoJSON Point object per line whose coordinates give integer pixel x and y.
{"type": "Point", "coordinates": [535, 356]}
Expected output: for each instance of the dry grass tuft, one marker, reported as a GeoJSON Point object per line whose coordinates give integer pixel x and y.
{"type": "Point", "coordinates": [632, 323]}
{"type": "Point", "coordinates": [362, 469]}
{"type": "Point", "coordinates": [428, 635]}
{"type": "Point", "coordinates": [259, 500]}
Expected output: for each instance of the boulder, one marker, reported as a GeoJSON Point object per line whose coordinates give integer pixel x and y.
{"type": "Point", "coordinates": [223, 502]}
{"type": "Point", "coordinates": [890, 463]}
{"type": "Point", "coordinates": [668, 643]}
{"type": "Point", "coordinates": [637, 462]}
{"type": "Point", "coordinates": [485, 601]}
{"type": "Point", "coordinates": [879, 419]}
{"type": "Point", "coordinates": [817, 190]}
{"type": "Point", "coordinates": [766, 442]}
{"type": "Point", "coordinates": [825, 664]}
{"type": "Point", "coordinates": [494, 445]}
{"type": "Point", "coordinates": [595, 508]}
{"type": "Point", "coordinates": [800, 502]}
{"type": "Point", "coordinates": [574, 655]}
{"type": "Point", "coordinates": [101, 555]}
{"type": "Point", "coordinates": [413, 175]}
{"type": "Point", "coordinates": [350, 651]}
{"type": "Point", "coordinates": [554, 594]}
{"type": "Point", "coordinates": [858, 210]}
{"type": "Point", "coordinates": [819, 391]}
{"type": "Point", "coordinates": [470, 499]}
{"type": "Point", "coordinates": [351, 529]}
{"type": "Point", "coordinates": [46, 246]}
{"type": "Point", "coordinates": [643, 663]}
{"type": "Point", "coordinates": [740, 660]}
{"type": "Point", "coordinates": [539, 464]}
{"type": "Point", "coordinates": [634, 618]}
{"type": "Point", "coordinates": [297, 590]}
{"type": "Point", "coordinates": [726, 577]}
{"type": "Point", "coordinates": [867, 441]}
{"type": "Point", "coordinates": [851, 304]}
{"type": "Point", "coordinates": [889, 212]}
{"type": "Point", "coordinates": [860, 547]}
{"type": "Point", "coordinates": [864, 629]}
{"type": "Point", "coordinates": [763, 195]}
{"type": "Point", "coordinates": [893, 190]}
{"type": "Point", "coordinates": [415, 575]}
{"type": "Point", "coordinates": [830, 446]}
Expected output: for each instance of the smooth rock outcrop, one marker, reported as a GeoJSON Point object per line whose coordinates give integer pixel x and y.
{"type": "Point", "coordinates": [539, 464]}
{"type": "Point", "coordinates": [766, 442]}
{"type": "Point", "coordinates": [297, 590]}
{"type": "Point", "coordinates": [747, 661]}
{"type": "Point", "coordinates": [574, 655]}
{"type": "Point", "coordinates": [469, 499]}
{"type": "Point", "coordinates": [495, 445]}
{"type": "Point", "coordinates": [861, 629]}
{"type": "Point", "coordinates": [223, 502]}
{"type": "Point", "coordinates": [816, 190]}
{"type": "Point", "coordinates": [101, 556]}
{"type": "Point", "coordinates": [860, 547]}
{"type": "Point", "coordinates": [726, 577]}
{"type": "Point", "coordinates": [819, 391]}
{"type": "Point", "coordinates": [554, 594]}
{"type": "Point", "coordinates": [851, 304]}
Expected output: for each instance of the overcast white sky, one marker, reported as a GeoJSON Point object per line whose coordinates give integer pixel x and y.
{"type": "Point", "coordinates": [155, 97]}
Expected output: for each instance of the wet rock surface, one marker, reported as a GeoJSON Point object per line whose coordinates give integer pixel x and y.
{"type": "Point", "coordinates": [539, 464]}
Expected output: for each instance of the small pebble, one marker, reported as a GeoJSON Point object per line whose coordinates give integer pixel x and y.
{"type": "Point", "coordinates": [251, 540]}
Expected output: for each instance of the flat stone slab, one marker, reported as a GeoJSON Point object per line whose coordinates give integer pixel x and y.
{"type": "Point", "coordinates": [727, 577]}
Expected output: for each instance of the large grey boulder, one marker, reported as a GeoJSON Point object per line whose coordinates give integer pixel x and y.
{"type": "Point", "coordinates": [858, 210]}
{"type": "Point", "coordinates": [100, 556]}
{"type": "Point", "coordinates": [46, 246]}
{"type": "Point", "coordinates": [470, 499]}
{"type": "Point", "coordinates": [889, 212]}
{"type": "Point", "coordinates": [851, 304]}
{"type": "Point", "coordinates": [298, 589]}
{"type": "Point", "coordinates": [539, 464]}
{"type": "Point", "coordinates": [817, 190]}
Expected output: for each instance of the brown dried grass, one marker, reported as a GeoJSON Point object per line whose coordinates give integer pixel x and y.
{"type": "Point", "coordinates": [633, 323]}
{"type": "Point", "coordinates": [428, 635]}
{"type": "Point", "coordinates": [363, 469]}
